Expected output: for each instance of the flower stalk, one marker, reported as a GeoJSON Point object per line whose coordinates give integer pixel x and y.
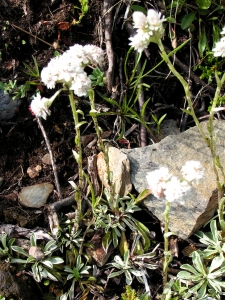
{"type": "Point", "coordinates": [78, 157]}
{"type": "Point", "coordinates": [185, 86]}
{"type": "Point", "coordinates": [167, 253]}
{"type": "Point", "coordinates": [93, 114]}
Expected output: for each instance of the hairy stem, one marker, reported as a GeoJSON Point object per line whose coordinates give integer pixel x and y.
{"type": "Point", "coordinates": [167, 254]}
{"type": "Point", "coordinates": [78, 193]}
{"type": "Point", "coordinates": [185, 86]}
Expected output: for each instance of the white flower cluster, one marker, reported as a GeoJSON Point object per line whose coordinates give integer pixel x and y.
{"type": "Point", "coordinates": [69, 68]}
{"type": "Point", "coordinates": [40, 106]}
{"type": "Point", "coordinates": [164, 185]}
{"type": "Point", "coordinates": [219, 49]}
{"type": "Point", "coordinates": [148, 28]}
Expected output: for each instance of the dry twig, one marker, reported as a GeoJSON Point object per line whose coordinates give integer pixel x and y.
{"type": "Point", "coordinates": [51, 158]}
{"type": "Point", "coordinates": [107, 14]}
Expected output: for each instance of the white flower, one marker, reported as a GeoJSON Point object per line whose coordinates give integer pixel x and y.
{"type": "Point", "coordinates": [193, 171]}
{"type": "Point", "coordinates": [157, 182]}
{"type": "Point", "coordinates": [175, 190]}
{"type": "Point", "coordinates": [40, 106]}
{"type": "Point", "coordinates": [219, 49]}
{"type": "Point", "coordinates": [69, 68]}
{"type": "Point", "coordinates": [139, 42]}
{"type": "Point", "coordinates": [149, 29]}
{"type": "Point", "coordinates": [140, 20]}
{"type": "Point", "coordinates": [223, 30]}
{"type": "Point", "coordinates": [154, 20]}
{"type": "Point", "coordinates": [81, 84]}
{"type": "Point", "coordinates": [94, 54]}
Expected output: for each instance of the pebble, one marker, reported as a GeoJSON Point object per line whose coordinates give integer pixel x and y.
{"type": "Point", "coordinates": [8, 107]}
{"type": "Point", "coordinates": [35, 195]}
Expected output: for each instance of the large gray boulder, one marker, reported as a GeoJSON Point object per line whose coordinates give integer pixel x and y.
{"type": "Point", "coordinates": [173, 152]}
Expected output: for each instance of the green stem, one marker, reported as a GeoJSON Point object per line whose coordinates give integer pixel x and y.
{"type": "Point", "coordinates": [216, 161]}
{"type": "Point", "coordinates": [185, 86]}
{"type": "Point", "coordinates": [93, 114]}
{"type": "Point", "coordinates": [220, 214]}
{"type": "Point", "coordinates": [167, 254]}
{"type": "Point", "coordinates": [78, 193]}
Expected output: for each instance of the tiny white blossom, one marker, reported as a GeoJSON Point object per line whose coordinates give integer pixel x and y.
{"type": "Point", "coordinates": [40, 106]}
{"type": "Point", "coordinates": [81, 84]}
{"type": "Point", "coordinates": [154, 20]}
{"type": "Point", "coordinates": [193, 171]}
{"type": "Point", "coordinates": [139, 42]}
{"type": "Point", "coordinates": [157, 181]}
{"type": "Point", "coordinates": [223, 30]}
{"type": "Point", "coordinates": [149, 29]}
{"type": "Point", "coordinates": [219, 49]}
{"type": "Point", "coordinates": [69, 68]}
{"type": "Point", "coordinates": [175, 190]}
{"type": "Point", "coordinates": [94, 54]}
{"type": "Point", "coordinates": [140, 20]}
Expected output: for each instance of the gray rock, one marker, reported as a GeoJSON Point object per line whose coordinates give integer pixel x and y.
{"type": "Point", "coordinates": [36, 252]}
{"type": "Point", "coordinates": [173, 152]}
{"type": "Point", "coordinates": [8, 107]}
{"type": "Point", "coordinates": [35, 195]}
{"type": "Point", "coordinates": [169, 127]}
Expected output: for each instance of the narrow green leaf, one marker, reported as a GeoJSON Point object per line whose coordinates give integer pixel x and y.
{"type": "Point", "coordinates": [187, 111]}
{"type": "Point", "coordinates": [203, 4]}
{"type": "Point", "coordinates": [114, 274]}
{"type": "Point", "coordinates": [216, 263]}
{"type": "Point", "coordinates": [187, 20]}
{"type": "Point", "coordinates": [138, 8]}
{"type": "Point", "coordinates": [202, 42]}
{"type": "Point", "coordinates": [47, 263]}
{"type": "Point", "coordinates": [197, 262]}
{"type": "Point", "coordinates": [189, 268]}
{"type": "Point", "coordinates": [80, 124]}
{"type": "Point", "coordinates": [106, 241]}
{"type": "Point", "coordinates": [108, 100]}
{"type": "Point", "coordinates": [4, 240]}
{"type": "Point", "coordinates": [126, 257]}
{"type": "Point", "coordinates": [20, 250]}
{"type": "Point", "coordinates": [142, 196]}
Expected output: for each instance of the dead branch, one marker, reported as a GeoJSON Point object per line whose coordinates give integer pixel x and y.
{"type": "Point", "coordinates": [51, 158]}
{"type": "Point", "coordinates": [14, 231]}
{"type": "Point", "coordinates": [53, 209]}
{"type": "Point", "coordinates": [107, 15]}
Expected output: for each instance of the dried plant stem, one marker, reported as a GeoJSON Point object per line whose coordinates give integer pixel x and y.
{"type": "Point", "coordinates": [51, 158]}
{"type": "Point", "coordinates": [107, 13]}
{"type": "Point", "coordinates": [34, 36]}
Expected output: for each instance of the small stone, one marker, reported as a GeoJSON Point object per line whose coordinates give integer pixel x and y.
{"type": "Point", "coordinates": [46, 159]}
{"type": "Point", "coordinates": [34, 172]}
{"type": "Point", "coordinates": [36, 253]}
{"type": "Point", "coordinates": [35, 195]}
{"type": "Point", "coordinates": [119, 166]}
{"type": "Point", "coordinates": [8, 107]}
